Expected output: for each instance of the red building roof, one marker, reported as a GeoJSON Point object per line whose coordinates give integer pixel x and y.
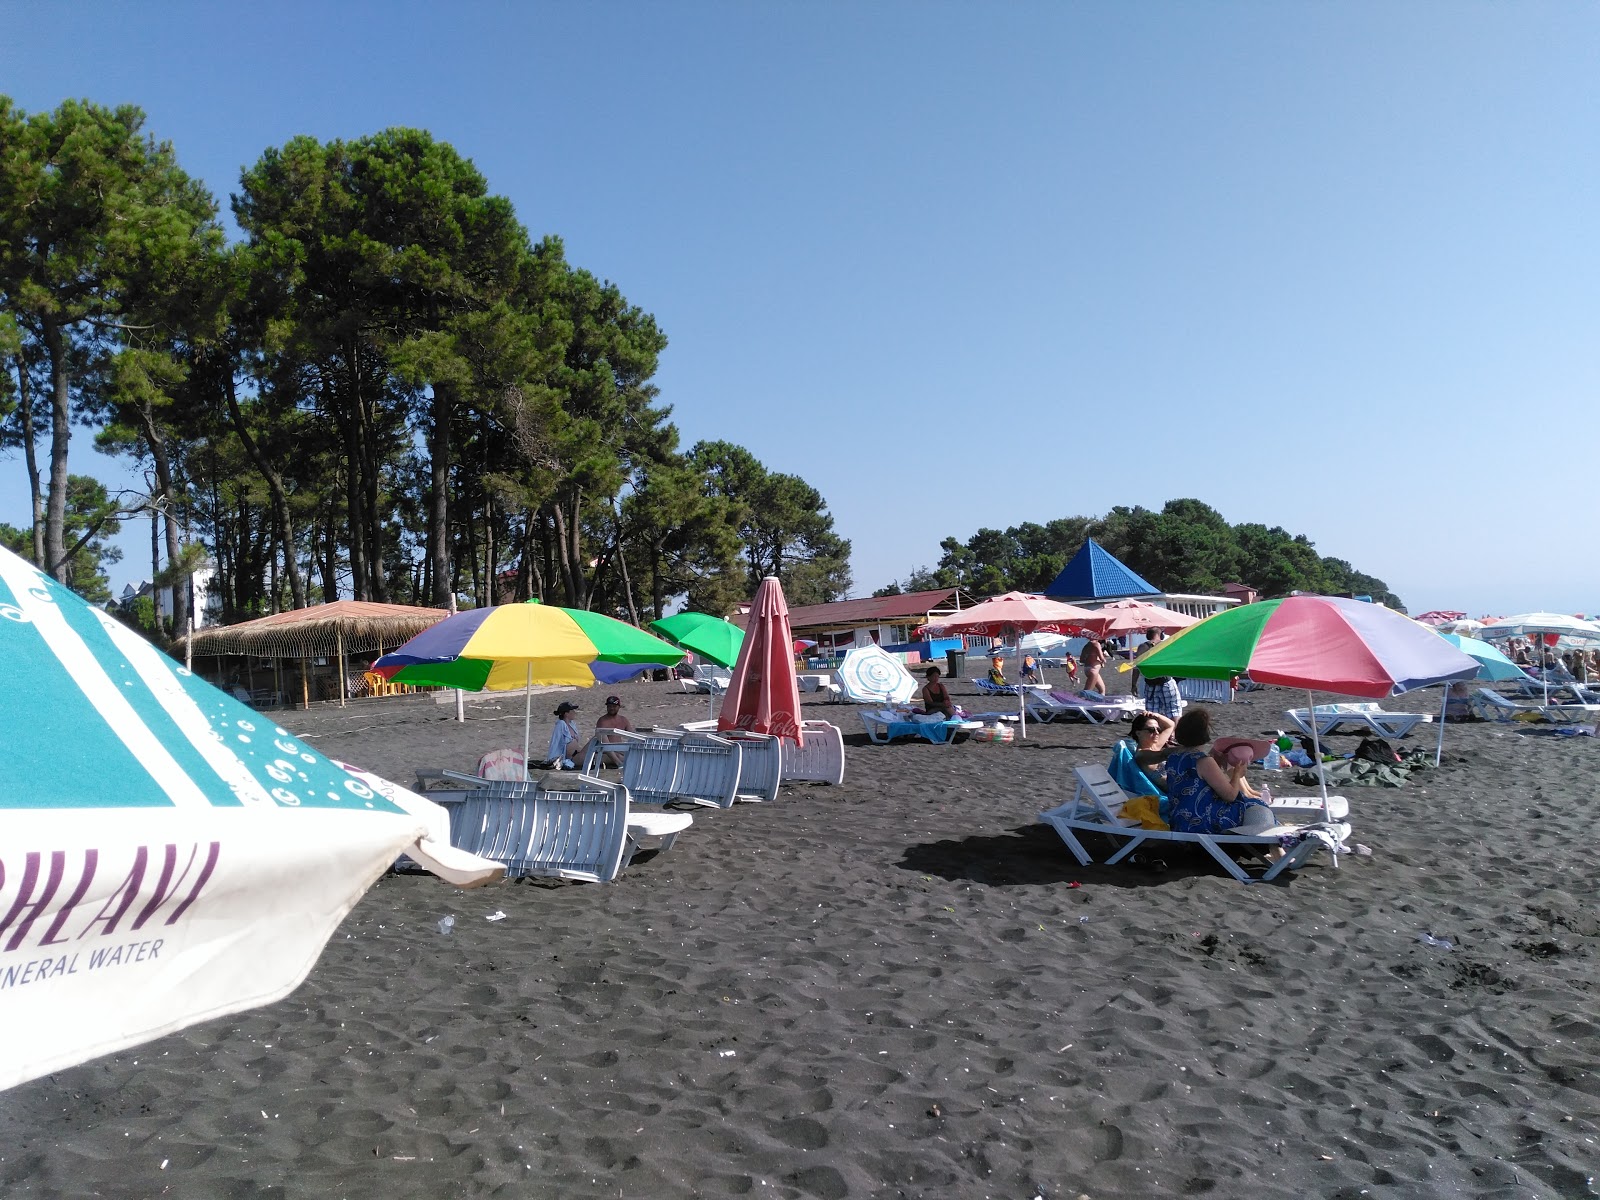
{"type": "Point", "coordinates": [906, 607]}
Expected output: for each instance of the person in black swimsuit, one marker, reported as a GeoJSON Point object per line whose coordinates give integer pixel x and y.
{"type": "Point", "coordinates": [935, 696]}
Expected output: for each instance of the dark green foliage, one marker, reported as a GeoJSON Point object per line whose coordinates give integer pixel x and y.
{"type": "Point", "coordinates": [783, 521]}
{"type": "Point", "coordinates": [92, 517]}
{"type": "Point", "coordinates": [1186, 547]}
{"type": "Point", "coordinates": [103, 247]}
{"type": "Point", "coordinates": [387, 389]}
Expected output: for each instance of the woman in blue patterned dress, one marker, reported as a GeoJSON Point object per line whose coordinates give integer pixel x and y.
{"type": "Point", "coordinates": [1206, 797]}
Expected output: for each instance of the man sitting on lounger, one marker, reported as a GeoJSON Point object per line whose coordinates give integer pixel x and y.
{"type": "Point", "coordinates": [996, 675]}
{"type": "Point", "coordinates": [613, 720]}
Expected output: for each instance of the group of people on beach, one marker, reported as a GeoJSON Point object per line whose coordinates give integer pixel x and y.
{"type": "Point", "coordinates": [1581, 663]}
{"type": "Point", "coordinates": [1205, 783]}
{"type": "Point", "coordinates": [567, 749]}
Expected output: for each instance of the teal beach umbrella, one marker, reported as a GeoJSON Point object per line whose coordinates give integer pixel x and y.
{"type": "Point", "coordinates": [167, 855]}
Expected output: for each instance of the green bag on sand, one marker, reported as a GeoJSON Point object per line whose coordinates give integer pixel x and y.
{"type": "Point", "coordinates": [1361, 772]}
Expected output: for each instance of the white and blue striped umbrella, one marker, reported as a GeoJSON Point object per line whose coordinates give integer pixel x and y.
{"type": "Point", "coordinates": [166, 854]}
{"type": "Point", "coordinates": [869, 675]}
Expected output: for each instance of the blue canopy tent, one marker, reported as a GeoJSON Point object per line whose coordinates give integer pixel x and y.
{"type": "Point", "coordinates": [1095, 574]}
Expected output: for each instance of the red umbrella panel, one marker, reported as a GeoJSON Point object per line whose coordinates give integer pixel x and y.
{"type": "Point", "coordinates": [1135, 616]}
{"type": "Point", "coordinates": [763, 694]}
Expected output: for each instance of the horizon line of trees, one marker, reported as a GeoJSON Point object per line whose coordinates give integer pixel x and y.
{"type": "Point", "coordinates": [1185, 547]}
{"type": "Point", "coordinates": [386, 389]}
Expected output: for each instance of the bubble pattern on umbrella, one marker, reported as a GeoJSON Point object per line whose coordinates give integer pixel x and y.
{"type": "Point", "coordinates": [99, 702]}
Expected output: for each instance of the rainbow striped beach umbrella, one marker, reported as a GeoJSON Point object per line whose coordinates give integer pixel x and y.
{"type": "Point", "coordinates": [167, 855]}
{"type": "Point", "coordinates": [518, 645]}
{"type": "Point", "coordinates": [1327, 643]}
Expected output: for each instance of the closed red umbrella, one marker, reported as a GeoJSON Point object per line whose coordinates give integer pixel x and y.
{"type": "Point", "coordinates": [764, 695]}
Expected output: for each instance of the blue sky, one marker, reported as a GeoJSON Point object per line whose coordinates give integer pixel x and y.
{"type": "Point", "coordinates": [1330, 267]}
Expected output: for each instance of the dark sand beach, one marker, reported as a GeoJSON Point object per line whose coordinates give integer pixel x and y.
{"type": "Point", "coordinates": [892, 989]}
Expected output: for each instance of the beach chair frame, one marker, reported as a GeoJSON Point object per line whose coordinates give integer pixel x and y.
{"type": "Point", "coordinates": [577, 829]}
{"type": "Point", "coordinates": [1096, 805]}
{"type": "Point", "coordinates": [819, 758]}
{"type": "Point", "coordinates": [1329, 717]}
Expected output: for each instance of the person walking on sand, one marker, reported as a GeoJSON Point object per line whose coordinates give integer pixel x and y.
{"type": "Point", "coordinates": [1093, 658]}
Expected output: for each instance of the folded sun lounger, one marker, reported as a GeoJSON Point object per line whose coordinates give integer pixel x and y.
{"type": "Point", "coordinates": [471, 829]}
{"type": "Point", "coordinates": [1488, 705]}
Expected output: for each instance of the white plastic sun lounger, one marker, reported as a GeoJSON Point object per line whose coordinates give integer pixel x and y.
{"type": "Point", "coordinates": [708, 768]}
{"type": "Point", "coordinates": [1207, 691]}
{"type": "Point", "coordinates": [1049, 706]}
{"type": "Point", "coordinates": [1096, 808]}
{"type": "Point", "coordinates": [649, 763]}
{"type": "Point", "coordinates": [883, 725]}
{"type": "Point", "coordinates": [1329, 717]}
{"type": "Point", "coordinates": [760, 765]}
{"type": "Point", "coordinates": [577, 829]}
{"type": "Point", "coordinates": [645, 830]}
{"type": "Point", "coordinates": [1489, 705]}
{"type": "Point", "coordinates": [818, 759]}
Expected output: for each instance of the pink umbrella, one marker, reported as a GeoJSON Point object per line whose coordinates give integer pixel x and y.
{"type": "Point", "coordinates": [763, 694]}
{"type": "Point", "coordinates": [1012, 615]}
{"type": "Point", "coordinates": [1135, 616]}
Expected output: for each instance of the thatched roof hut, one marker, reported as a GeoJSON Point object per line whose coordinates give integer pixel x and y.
{"type": "Point", "coordinates": [321, 631]}
{"type": "Point", "coordinates": [324, 631]}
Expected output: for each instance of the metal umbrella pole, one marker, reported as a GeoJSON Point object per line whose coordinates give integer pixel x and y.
{"type": "Point", "coordinates": [1438, 751]}
{"type": "Point", "coordinates": [1022, 707]}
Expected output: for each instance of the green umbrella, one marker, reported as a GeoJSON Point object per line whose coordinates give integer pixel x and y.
{"type": "Point", "coordinates": [710, 637]}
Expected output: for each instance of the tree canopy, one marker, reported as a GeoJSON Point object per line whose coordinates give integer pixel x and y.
{"type": "Point", "coordinates": [386, 389]}
{"type": "Point", "coordinates": [1185, 547]}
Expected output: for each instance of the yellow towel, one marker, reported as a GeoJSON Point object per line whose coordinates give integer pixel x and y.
{"type": "Point", "coordinates": [1146, 810]}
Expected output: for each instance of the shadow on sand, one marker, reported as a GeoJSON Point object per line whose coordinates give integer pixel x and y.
{"type": "Point", "coordinates": [1033, 855]}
